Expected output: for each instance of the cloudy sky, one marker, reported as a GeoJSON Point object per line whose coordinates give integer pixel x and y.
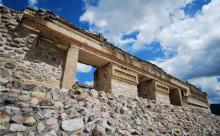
{"type": "Point", "coordinates": [180, 36]}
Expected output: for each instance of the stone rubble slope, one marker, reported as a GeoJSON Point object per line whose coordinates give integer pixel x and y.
{"type": "Point", "coordinates": [31, 110]}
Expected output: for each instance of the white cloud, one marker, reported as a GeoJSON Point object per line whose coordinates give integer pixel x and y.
{"type": "Point", "coordinates": [83, 68]}
{"type": "Point", "coordinates": [89, 83]}
{"type": "Point", "coordinates": [210, 85]}
{"type": "Point", "coordinates": [194, 41]}
{"type": "Point", "coordinates": [115, 18]}
{"type": "Point", "coordinates": [33, 4]}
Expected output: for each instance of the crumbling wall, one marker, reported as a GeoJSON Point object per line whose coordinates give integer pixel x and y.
{"type": "Point", "coordinates": [25, 55]}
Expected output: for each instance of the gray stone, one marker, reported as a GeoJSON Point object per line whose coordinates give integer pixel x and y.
{"type": "Point", "coordinates": [34, 102]}
{"type": "Point", "coordinates": [40, 127]}
{"type": "Point", "coordinates": [14, 45]}
{"type": "Point", "coordinates": [50, 133]}
{"type": "Point", "coordinates": [17, 119]}
{"type": "Point", "coordinates": [18, 51]}
{"type": "Point", "coordinates": [72, 124]}
{"type": "Point", "coordinates": [93, 93]}
{"type": "Point", "coordinates": [12, 110]}
{"type": "Point", "coordinates": [4, 122]}
{"type": "Point", "coordinates": [29, 87]}
{"type": "Point", "coordinates": [4, 72]}
{"type": "Point", "coordinates": [9, 65]}
{"type": "Point", "coordinates": [98, 131]}
{"type": "Point", "coordinates": [17, 128]}
{"type": "Point", "coordinates": [8, 48]}
{"type": "Point", "coordinates": [3, 81]}
{"type": "Point", "coordinates": [83, 111]}
{"type": "Point", "coordinates": [48, 113]}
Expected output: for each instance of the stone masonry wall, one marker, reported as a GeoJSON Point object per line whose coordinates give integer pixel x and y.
{"type": "Point", "coordinates": [25, 56]}
{"type": "Point", "coordinates": [123, 88]}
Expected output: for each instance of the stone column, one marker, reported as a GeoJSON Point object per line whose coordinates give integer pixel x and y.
{"type": "Point", "coordinates": [116, 79]}
{"type": "Point", "coordinates": [102, 78]}
{"type": "Point", "coordinates": [69, 73]}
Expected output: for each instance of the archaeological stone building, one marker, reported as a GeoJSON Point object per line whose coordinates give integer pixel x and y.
{"type": "Point", "coordinates": [39, 47]}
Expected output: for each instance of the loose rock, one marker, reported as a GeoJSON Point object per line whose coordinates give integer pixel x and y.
{"type": "Point", "coordinates": [72, 124]}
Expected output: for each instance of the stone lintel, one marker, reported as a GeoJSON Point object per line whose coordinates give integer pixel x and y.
{"type": "Point", "coordinates": [69, 72]}
{"type": "Point", "coordinates": [196, 102]}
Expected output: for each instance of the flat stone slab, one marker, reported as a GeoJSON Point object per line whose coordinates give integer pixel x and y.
{"type": "Point", "coordinates": [72, 124]}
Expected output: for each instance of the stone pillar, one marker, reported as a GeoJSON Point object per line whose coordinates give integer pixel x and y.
{"type": "Point", "coordinates": [102, 78]}
{"type": "Point", "coordinates": [154, 90]}
{"type": "Point", "coordinates": [116, 79]}
{"type": "Point", "coordinates": [69, 73]}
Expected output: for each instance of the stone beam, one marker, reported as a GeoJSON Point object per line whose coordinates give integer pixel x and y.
{"type": "Point", "coordinates": [193, 101]}
{"type": "Point", "coordinates": [69, 72]}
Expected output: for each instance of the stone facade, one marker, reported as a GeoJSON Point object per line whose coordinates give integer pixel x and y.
{"type": "Point", "coordinates": [26, 56]}
{"type": "Point", "coordinates": [40, 48]}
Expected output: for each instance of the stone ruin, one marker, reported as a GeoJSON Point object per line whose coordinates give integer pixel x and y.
{"type": "Point", "coordinates": [39, 52]}
{"type": "Point", "coordinates": [39, 47]}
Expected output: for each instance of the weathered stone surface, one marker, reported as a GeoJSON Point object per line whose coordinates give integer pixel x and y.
{"type": "Point", "coordinates": [19, 40]}
{"type": "Point", "coordinates": [17, 119]}
{"type": "Point", "coordinates": [29, 87]}
{"type": "Point", "coordinates": [30, 121]}
{"type": "Point", "coordinates": [4, 72]}
{"type": "Point", "coordinates": [72, 124]}
{"type": "Point", "coordinates": [3, 81]}
{"type": "Point", "coordinates": [18, 51]}
{"type": "Point", "coordinates": [38, 95]}
{"type": "Point", "coordinates": [40, 127]}
{"type": "Point", "coordinates": [4, 122]}
{"type": "Point", "coordinates": [24, 97]}
{"type": "Point", "coordinates": [51, 121]}
{"type": "Point", "coordinates": [51, 133]}
{"type": "Point", "coordinates": [17, 128]}
{"type": "Point", "coordinates": [9, 65]}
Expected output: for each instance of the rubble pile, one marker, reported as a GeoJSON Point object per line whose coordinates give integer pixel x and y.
{"type": "Point", "coordinates": [26, 109]}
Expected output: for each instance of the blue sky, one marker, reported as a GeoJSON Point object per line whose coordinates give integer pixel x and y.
{"type": "Point", "coordinates": [180, 36]}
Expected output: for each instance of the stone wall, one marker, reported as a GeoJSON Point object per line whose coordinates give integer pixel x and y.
{"type": "Point", "coordinates": [162, 97]}
{"type": "Point", "coordinates": [123, 88]}
{"type": "Point", "coordinates": [25, 55]}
